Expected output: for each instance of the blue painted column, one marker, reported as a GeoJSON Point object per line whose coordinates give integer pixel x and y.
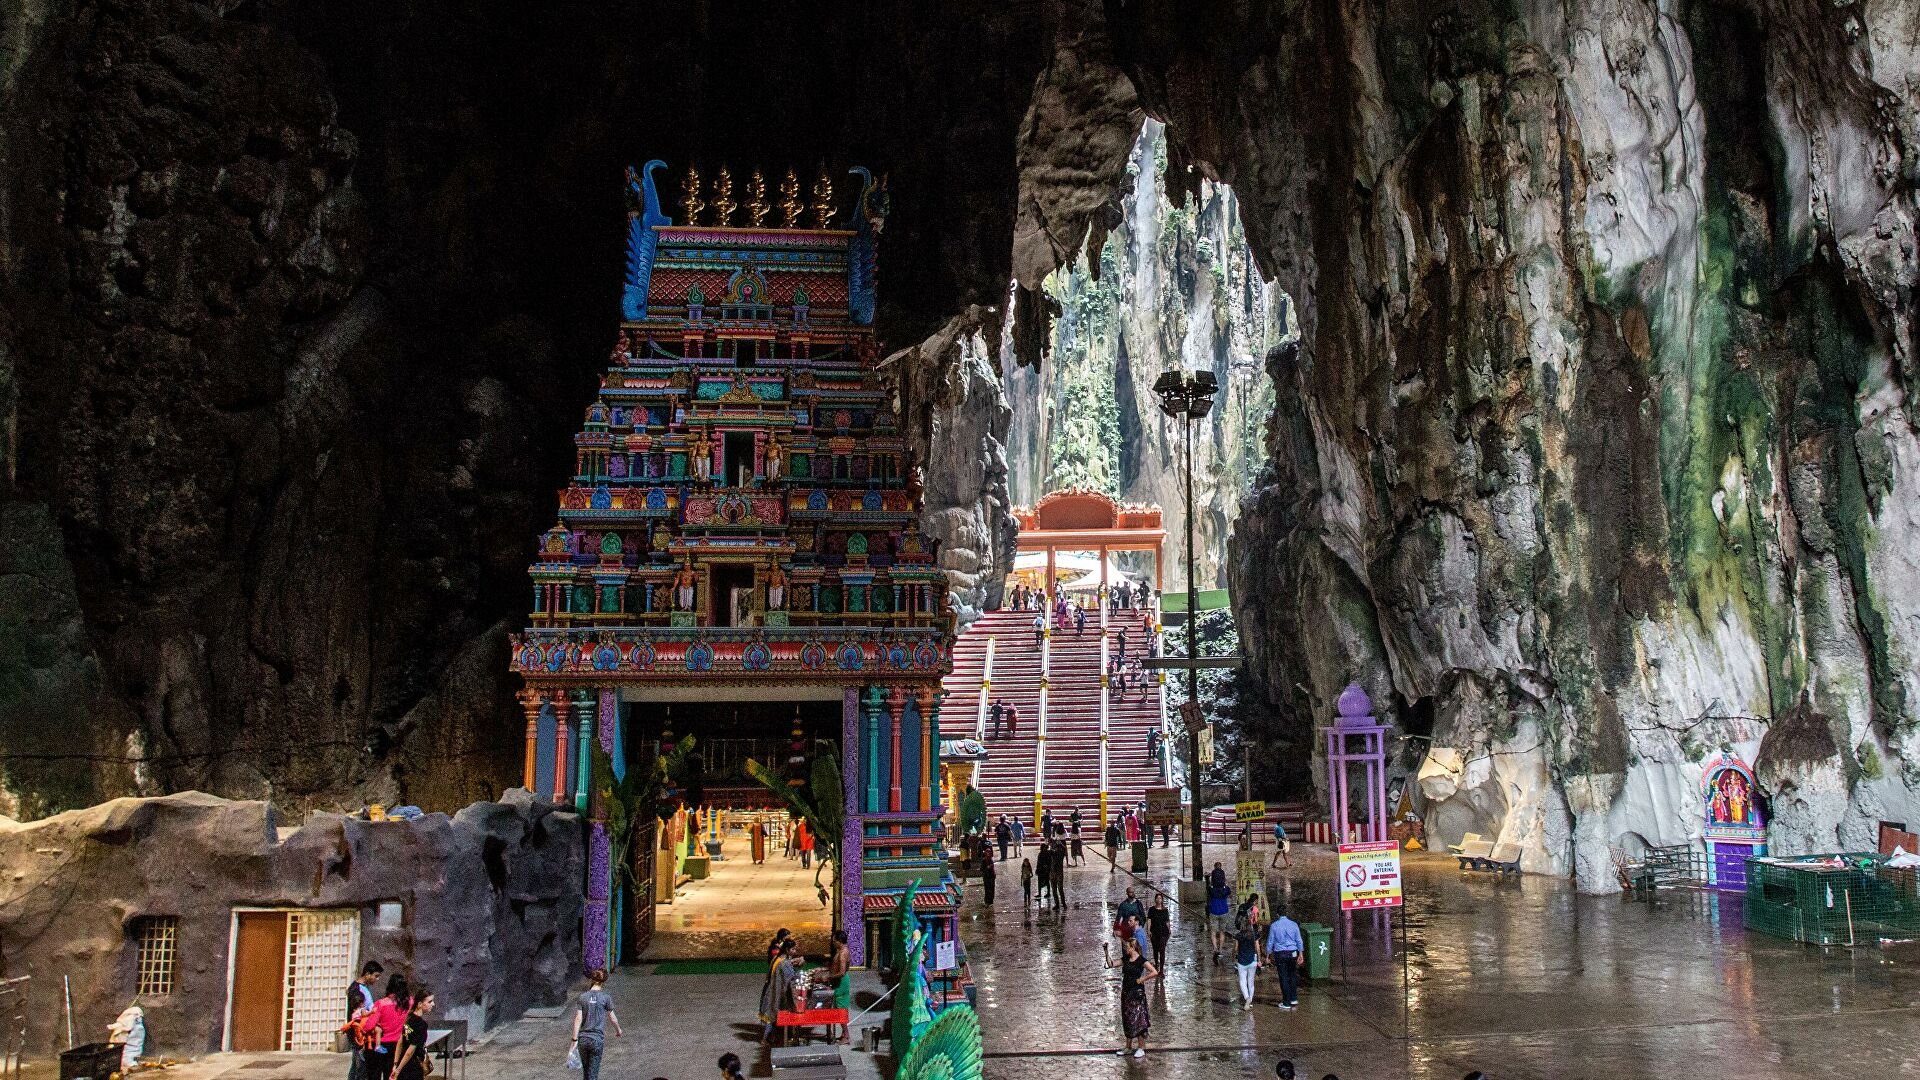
{"type": "Point", "coordinates": [876, 769]}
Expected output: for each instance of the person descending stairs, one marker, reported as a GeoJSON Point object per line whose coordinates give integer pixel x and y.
{"type": "Point", "coordinates": [1072, 777]}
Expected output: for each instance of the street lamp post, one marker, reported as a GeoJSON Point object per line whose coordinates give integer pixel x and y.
{"type": "Point", "coordinates": [1188, 396]}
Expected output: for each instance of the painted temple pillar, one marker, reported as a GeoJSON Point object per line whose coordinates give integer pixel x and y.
{"type": "Point", "coordinates": [598, 947]}
{"type": "Point", "coordinates": [852, 857]}
{"type": "Point", "coordinates": [586, 703]}
{"type": "Point", "coordinates": [530, 702]}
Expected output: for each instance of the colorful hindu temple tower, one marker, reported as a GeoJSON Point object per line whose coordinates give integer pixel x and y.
{"type": "Point", "coordinates": [738, 553]}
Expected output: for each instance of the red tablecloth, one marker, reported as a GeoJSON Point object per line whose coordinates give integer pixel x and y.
{"type": "Point", "coordinates": [810, 1018]}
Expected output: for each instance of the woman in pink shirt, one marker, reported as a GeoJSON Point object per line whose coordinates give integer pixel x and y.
{"type": "Point", "coordinates": [390, 1016]}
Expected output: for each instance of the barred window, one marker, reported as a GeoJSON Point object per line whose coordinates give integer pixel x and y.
{"type": "Point", "coordinates": [158, 940]}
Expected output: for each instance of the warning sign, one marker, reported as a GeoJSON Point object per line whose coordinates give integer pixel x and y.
{"type": "Point", "coordinates": [1370, 875]}
{"type": "Point", "coordinates": [1163, 806]}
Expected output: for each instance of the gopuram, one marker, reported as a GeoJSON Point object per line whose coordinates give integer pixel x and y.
{"type": "Point", "coordinates": [738, 552]}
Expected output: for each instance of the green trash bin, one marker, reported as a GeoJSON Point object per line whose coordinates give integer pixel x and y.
{"type": "Point", "coordinates": [1319, 940]}
{"type": "Point", "coordinates": [1140, 856]}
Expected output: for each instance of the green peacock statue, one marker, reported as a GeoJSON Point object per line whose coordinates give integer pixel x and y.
{"type": "Point", "coordinates": [910, 1013]}
{"type": "Point", "coordinates": [948, 1050]}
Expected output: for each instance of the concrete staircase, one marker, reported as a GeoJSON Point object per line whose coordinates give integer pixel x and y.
{"type": "Point", "coordinates": [1072, 778]}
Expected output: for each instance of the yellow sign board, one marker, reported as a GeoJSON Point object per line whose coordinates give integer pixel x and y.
{"type": "Point", "coordinates": [1163, 806]}
{"type": "Point", "coordinates": [1249, 811]}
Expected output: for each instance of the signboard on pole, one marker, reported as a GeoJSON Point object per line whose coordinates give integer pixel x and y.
{"type": "Point", "coordinates": [1191, 716]}
{"type": "Point", "coordinates": [943, 958]}
{"type": "Point", "coordinates": [1206, 745]}
{"type": "Point", "coordinates": [1163, 806]}
{"type": "Point", "coordinates": [1249, 811]}
{"type": "Point", "coordinates": [1370, 875]}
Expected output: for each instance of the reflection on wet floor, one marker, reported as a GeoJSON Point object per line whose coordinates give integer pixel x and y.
{"type": "Point", "coordinates": [733, 913]}
{"type": "Point", "coordinates": [1520, 977]}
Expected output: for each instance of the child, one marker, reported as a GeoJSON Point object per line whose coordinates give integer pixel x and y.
{"type": "Point", "coordinates": [1026, 883]}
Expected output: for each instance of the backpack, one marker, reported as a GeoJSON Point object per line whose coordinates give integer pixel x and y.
{"type": "Point", "coordinates": [361, 1031]}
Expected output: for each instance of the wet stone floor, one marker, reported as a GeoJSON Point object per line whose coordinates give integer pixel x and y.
{"type": "Point", "coordinates": [1517, 976]}
{"type": "Point", "coordinates": [735, 911]}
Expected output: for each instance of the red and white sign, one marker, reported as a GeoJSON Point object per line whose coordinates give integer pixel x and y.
{"type": "Point", "coordinates": [1370, 875]}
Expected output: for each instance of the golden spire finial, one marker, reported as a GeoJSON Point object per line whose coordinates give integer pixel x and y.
{"type": "Point", "coordinates": [823, 199]}
{"type": "Point", "coordinates": [790, 204]}
{"type": "Point", "coordinates": [723, 204]}
{"type": "Point", "coordinates": [757, 206]}
{"type": "Point", "coordinates": [690, 203]}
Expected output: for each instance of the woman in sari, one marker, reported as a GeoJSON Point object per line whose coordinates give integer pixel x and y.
{"type": "Point", "coordinates": [777, 993]}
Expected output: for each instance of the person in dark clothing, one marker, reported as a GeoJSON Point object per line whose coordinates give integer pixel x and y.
{"type": "Point", "coordinates": [1153, 745]}
{"type": "Point", "coordinates": [986, 880]}
{"type": "Point", "coordinates": [1159, 929]}
{"type": "Point", "coordinates": [360, 1000]}
{"type": "Point", "coordinates": [1003, 833]}
{"type": "Point", "coordinates": [1079, 620]}
{"type": "Point", "coordinates": [995, 714]}
{"type": "Point", "coordinates": [1113, 846]}
{"type": "Point", "coordinates": [412, 1064]}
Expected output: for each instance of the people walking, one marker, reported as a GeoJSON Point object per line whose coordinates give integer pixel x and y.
{"type": "Point", "coordinates": [806, 843]}
{"type": "Point", "coordinates": [1003, 833]}
{"type": "Point", "coordinates": [995, 713]}
{"type": "Point", "coordinates": [986, 880]}
{"type": "Point", "coordinates": [1136, 971]}
{"type": "Point", "coordinates": [1043, 864]}
{"type": "Point", "coordinates": [591, 1017]}
{"type": "Point", "coordinates": [1246, 954]}
{"type": "Point", "coordinates": [1019, 833]}
{"type": "Point", "coordinates": [1113, 846]}
{"type": "Point", "coordinates": [1039, 630]}
{"type": "Point", "coordinates": [1013, 721]}
{"type": "Point", "coordinates": [758, 831]}
{"type": "Point", "coordinates": [1159, 929]}
{"type": "Point", "coordinates": [1026, 883]}
{"type": "Point", "coordinates": [1282, 847]}
{"type": "Point", "coordinates": [1153, 745]}
{"type": "Point", "coordinates": [1130, 908]}
{"type": "Point", "coordinates": [1059, 875]}
{"type": "Point", "coordinates": [1285, 949]}
{"type": "Point", "coordinates": [1219, 908]}
{"type": "Point", "coordinates": [1079, 620]}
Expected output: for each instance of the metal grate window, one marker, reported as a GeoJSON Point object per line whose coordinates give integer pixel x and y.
{"type": "Point", "coordinates": [158, 939]}
{"type": "Point", "coordinates": [320, 949]}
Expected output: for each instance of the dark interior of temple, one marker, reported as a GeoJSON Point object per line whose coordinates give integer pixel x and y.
{"type": "Point", "coordinates": [727, 733]}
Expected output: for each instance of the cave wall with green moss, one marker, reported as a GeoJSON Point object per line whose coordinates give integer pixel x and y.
{"type": "Point", "coordinates": [1597, 456]}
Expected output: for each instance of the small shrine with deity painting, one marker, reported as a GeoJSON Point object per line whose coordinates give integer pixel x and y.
{"type": "Point", "coordinates": [1736, 828]}
{"type": "Point", "coordinates": [738, 553]}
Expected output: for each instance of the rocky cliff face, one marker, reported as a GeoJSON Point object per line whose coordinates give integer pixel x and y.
{"type": "Point", "coordinates": [1173, 286]}
{"type": "Point", "coordinates": [1598, 453]}
{"type": "Point", "coordinates": [1595, 455]}
{"type": "Point", "coordinates": [304, 302]}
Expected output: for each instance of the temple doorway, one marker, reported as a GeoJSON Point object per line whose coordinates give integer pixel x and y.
{"type": "Point", "coordinates": [720, 892]}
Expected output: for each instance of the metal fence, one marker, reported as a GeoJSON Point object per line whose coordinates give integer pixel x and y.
{"type": "Point", "coordinates": [1840, 899]}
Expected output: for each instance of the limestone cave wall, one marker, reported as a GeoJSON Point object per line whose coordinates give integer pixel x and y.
{"type": "Point", "coordinates": [1174, 285]}
{"type": "Point", "coordinates": [1597, 454]}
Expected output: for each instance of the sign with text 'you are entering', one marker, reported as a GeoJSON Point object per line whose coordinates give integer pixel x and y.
{"type": "Point", "coordinates": [1370, 875]}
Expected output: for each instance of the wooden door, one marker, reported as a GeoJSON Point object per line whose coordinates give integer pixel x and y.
{"type": "Point", "coordinates": [259, 980]}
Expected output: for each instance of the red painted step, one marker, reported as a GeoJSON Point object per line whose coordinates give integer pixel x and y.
{"type": "Point", "coordinates": [1006, 779]}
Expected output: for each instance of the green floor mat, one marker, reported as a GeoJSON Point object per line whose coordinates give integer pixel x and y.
{"type": "Point", "coordinates": [709, 967]}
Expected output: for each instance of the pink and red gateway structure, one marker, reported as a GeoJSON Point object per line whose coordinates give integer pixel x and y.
{"type": "Point", "coordinates": [738, 550]}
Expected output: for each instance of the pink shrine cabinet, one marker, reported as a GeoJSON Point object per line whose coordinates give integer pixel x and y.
{"type": "Point", "coordinates": [1736, 828]}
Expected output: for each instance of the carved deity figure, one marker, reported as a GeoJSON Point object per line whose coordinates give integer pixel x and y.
{"type": "Point", "coordinates": [702, 453]}
{"type": "Point", "coordinates": [683, 582]}
{"type": "Point", "coordinates": [776, 588]}
{"type": "Point", "coordinates": [776, 458]}
{"type": "Point", "coordinates": [916, 486]}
